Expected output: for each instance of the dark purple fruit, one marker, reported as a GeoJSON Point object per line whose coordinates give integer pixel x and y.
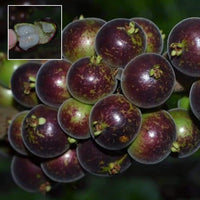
{"type": "Point", "coordinates": [100, 162]}
{"type": "Point", "coordinates": [51, 82]}
{"type": "Point", "coordinates": [15, 133]}
{"type": "Point", "coordinates": [42, 134]}
{"type": "Point", "coordinates": [194, 97]}
{"type": "Point", "coordinates": [154, 37]}
{"type": "Point", "coordinates": [114, 122]}
{"type": "Point", "coordinates": [120, 40]}
{"type": "Point", "coordinates": [183, 46]}
{"type": "Point", "coordinates": [148, 80]}
{"type": "Point", "coordinates": [79, 38]}
{"type": "Point", "coordinates": [6, 115]}
{"type": "Point", "coordinates": [73, 118]}
{"type": "Point", "coordinates": [63, 169]}
{"type": "Point", "coordinates": [154, 141]}
{"type": "Point", "coordinates": [29, 176]}
{"type": "Point", "coordinates": [188, 133]}
{"type": "Point", "coordinates": [90, 78]}
{"type": "Point", "coordinates": [23, 84]}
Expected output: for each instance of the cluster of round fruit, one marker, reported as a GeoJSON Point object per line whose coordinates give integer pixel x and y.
{"type": "Point", "coordinates": [104, 105]}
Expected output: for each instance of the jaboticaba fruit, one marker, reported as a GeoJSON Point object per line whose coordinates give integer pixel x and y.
{"type": "Point", "coordinates": [73, 118]}
{"type": "Point", "coordinates": [23, 84]}
{"type": "Point", "coordinates": [188, 133]}
{"type": "Point", "coordinates": [114, 122]}
{"type": "Point", "coordinates": [120, 40]}
{"type": "Point", "coordinates": [90, 78]}
{"type": "Point", "coordinates": [64, 168]}
{"type": "Point", "coordinates": [153, 34]}
{"type": "Point", "coordinates": [194, 98]}
{"type": "Point", "coordinates": [79, 38]}
{"type": "Point", "coordinates": [42, 134]}
{"type": "Point", "coordinates": [148, 80]}
{"type": "Point", "coordinates": [183, 46]}
{"type": "Point", "coordinates": [51, 82]}
{"type": "Point", "coordinates": [101, 162]}
{"type": "Point", "coordinates": [29, 176]}
{"type": "Point", "coordinates": [154, 141]}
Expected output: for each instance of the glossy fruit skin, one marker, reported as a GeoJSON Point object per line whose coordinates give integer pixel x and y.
{"type": "Point", "coordinates": [99, 162]}
{"type": "Point", "coordinates": [73, 118]}
{"type": "Point", "coordinates": [29, 176]}
{"type": "Point", "coordinates": [88, 80]}
{"type": "Point", "coordinates": [23, 84]}
{"type": "Point", "coordinates": [7, 67]}
{"type": "Point", "coordinates": [51, 82]}
{"type": "Point", "coordinates": [64, 168]}
{"type": "Point", "coordinates": [114, 122]}
{"type": "Point", "coordinates": [119, 40]}
{"type": "Point", "coordinates": [15, 133]}
{"type": "Point", "coordinates": [6, 113]}
{"type": "Point", "coordinates": [188, 133]}
{"type": "Point", "coordinates": [194, 96]}
{"type": "Point", "coordinates": [42, 134]}
{"type": "Point", "coordinates": [79, 38]}
{"type": "Point", "coordinates": [183, 46]}
{"type": "Point", "coordinates": [148, 80]}
{"type": "Point", "coordinates": [153, 34]}
{"type": "Point", "coordinates": [153, 142]}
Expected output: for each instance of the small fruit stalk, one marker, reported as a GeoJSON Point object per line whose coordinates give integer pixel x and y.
{"type": "Point", "coordinates": [30, 35]}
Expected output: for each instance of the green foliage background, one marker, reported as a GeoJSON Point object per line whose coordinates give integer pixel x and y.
{"type": "Point", "coordinates": [171, 179]}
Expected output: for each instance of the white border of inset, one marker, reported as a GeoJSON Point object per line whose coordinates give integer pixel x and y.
{"type": "Point", "coordinates": [61, 21]}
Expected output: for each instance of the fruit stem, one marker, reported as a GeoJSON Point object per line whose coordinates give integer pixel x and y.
{"type": "Point", "coordinates": [156, 72]}
{"type": "Point", "coordinates": [177, 48]}
{"type": "Point", "coordinates": [98, 128]}
{"type": "Point", "coordinates": [175, 147]}
{"type": "Point", "coordinates": [71, 140]}
{"type": "Point", "coordinates": [95, 59]}
{"type": "Point", "coordinates": [114, 168]}
{"type": "Point", "coordinates": [30, 85]}
{"type": "Point", "coordinates": [131, 28]}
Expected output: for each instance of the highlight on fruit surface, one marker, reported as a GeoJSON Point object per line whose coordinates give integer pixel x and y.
{"type": "Point", "coordinates": [183, 46]}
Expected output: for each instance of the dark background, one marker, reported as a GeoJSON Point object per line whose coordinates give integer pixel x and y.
{"type": "Point", "coordinates": [171, 179]}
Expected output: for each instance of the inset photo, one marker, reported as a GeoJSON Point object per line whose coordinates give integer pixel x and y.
{"type": "Point", "coordinates": [34, 32]}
